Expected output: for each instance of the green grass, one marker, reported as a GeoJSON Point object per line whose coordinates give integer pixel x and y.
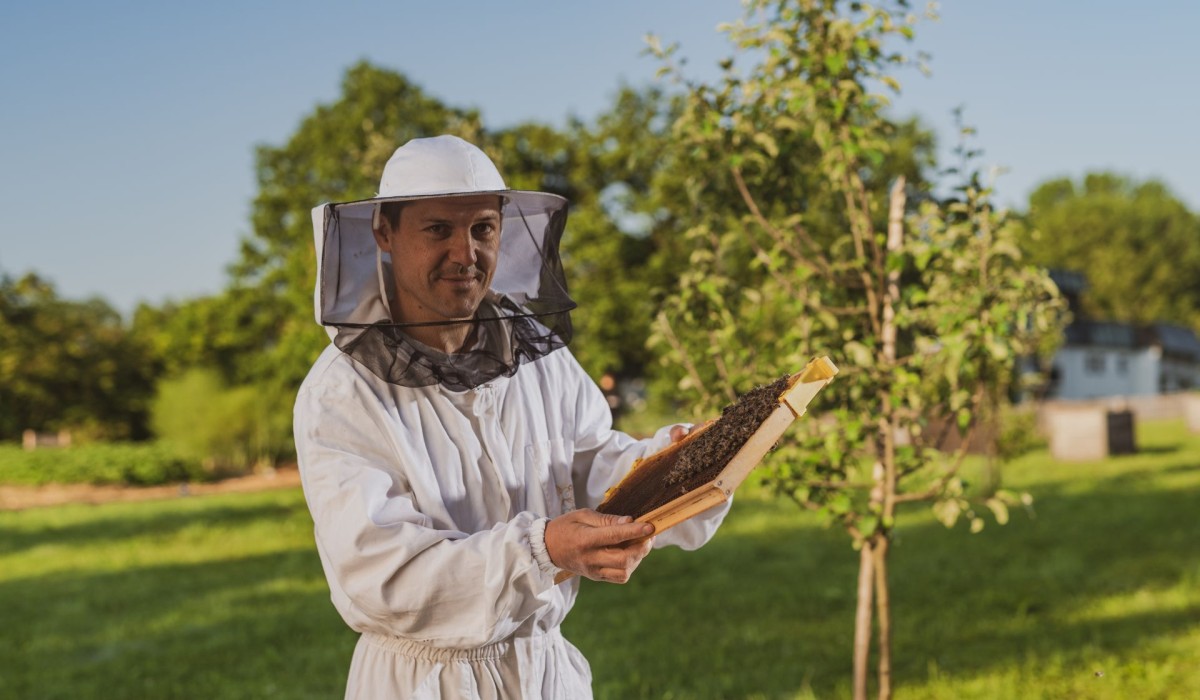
{"type": "Point", "coordinates": [213, 597]}
{"type": "Point", "coordinates": [223, 597]}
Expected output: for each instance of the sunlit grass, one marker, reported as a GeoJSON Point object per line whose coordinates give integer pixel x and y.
{"type": "Point", "coordinates": [1096, 594]}
{"type": "Point", "coordinates": [218, 597]}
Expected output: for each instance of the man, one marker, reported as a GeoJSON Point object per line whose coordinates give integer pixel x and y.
{"type": "Point", "coordinates": [450, 446]}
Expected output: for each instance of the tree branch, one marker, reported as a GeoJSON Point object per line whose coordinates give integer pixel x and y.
{"type": "Point", "coordinates": [669, 334]}
{"type": "Point", "coordinates": [960, 454]}
{"type": "Point", "coordinates": [722, 370]}
{"type": "Point", "coordinates": [818, 264]}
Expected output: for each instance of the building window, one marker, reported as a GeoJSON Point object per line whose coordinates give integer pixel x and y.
{"type": "Point", "coordinates": [1094, 363]}
{"type": "Point", "coordinates": [1122, 364]}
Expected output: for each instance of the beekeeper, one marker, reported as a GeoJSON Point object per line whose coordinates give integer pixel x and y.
{"type": "Point", "coordinates": [450, 445]}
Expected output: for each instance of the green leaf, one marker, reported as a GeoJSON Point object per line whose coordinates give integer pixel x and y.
{"type": "Point", "coordinates": [999, 509]}
{"type": "Point", "coordinates": [767, 142]}
{"type": "Point", "coordinates": [867, 524]}
{"type": "Point", "coordinates": [859, 354]}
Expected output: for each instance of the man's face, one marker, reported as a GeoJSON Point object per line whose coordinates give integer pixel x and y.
{"type": "Point", "coordinates": [443, 256]}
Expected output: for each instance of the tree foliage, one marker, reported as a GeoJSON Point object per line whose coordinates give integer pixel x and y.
{"type": "Point", "coordinates": [1135, 241]}
{"type": "Point", "coordinates": [803, 243]}
{"type": "Point", "coordinates": [336, 154]}
{"type": "Point", "coordinates": [68, 365]}
{"type": "Point", "coordinates": [622, 246]}
{"type": "Point", "coordinates": [339, 151]}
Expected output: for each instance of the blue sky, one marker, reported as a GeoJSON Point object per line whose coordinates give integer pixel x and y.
{"type": "Point", "coordinates": [127, 129]}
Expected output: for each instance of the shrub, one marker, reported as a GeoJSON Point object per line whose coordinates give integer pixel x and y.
{"type": "Point", "coordinates": [131, 464]}
{"type": "Point", "coordinates": [227, 429]}
{"type": "Point", "coordinates": [1018, 433]}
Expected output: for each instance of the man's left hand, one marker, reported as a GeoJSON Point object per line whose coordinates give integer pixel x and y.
{"type": "Point", "coordinates": [679, 432]}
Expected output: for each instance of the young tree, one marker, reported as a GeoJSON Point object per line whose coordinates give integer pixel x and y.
{"type": "Point", "coordinates": [806, 240]}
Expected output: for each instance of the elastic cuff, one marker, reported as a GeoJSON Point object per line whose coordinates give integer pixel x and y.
{"type": "Point", "coordinates": [537, 543]}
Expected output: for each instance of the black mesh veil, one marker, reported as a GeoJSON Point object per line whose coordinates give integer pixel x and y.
{"type": "Point", "coordinates": [524, 315]}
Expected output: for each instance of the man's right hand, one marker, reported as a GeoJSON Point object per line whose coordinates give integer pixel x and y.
{"type": "Point", "coordinates": [598, 546]}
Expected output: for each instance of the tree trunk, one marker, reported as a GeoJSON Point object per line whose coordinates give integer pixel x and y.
{"type": "Point", "coordinates": [891, 296]}
{"type": "Point", "coordinates": [862, 617]}
{"type": "Point", "coordinates": [883, 612]}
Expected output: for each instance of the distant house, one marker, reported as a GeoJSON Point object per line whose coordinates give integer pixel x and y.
{"type": "Point", "coordinates": [1106, 358]}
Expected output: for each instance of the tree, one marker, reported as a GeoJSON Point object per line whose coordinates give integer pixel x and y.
{"type": "Point", "coordinates": [617, 250]}
{"type": "Point", "coordinates": [807, 238]}
{"type": "Point", "coordinates": [68, 365]}
{"type": "Point", "coordinates": [1136, 242]}
{"type": "Point", "coordinates": [336, 154]}
{"type": "Point", "coordinates": [210, 331]}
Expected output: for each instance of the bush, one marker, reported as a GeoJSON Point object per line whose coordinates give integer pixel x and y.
{"type": "Point", "coordinates": [131, 464]}
{"type": "Point", "coordinates": [1018, 433]}
{"type": "Point", "coordinates": [227, 429]}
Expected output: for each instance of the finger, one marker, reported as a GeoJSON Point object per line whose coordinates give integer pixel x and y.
{"type": "Point", "coordinates": [589, 517]}
{"type": "Point", "coordinates": [613, 575]}
{"type": "Point", "coordinates": [678, 432]}
{"type": "Point", "coordinates": [616, 534]}
{"type": "Point", "coordinates": [636, 550]}
{"type": "Point", "coordinates": [639, 546]}
{"type": "Point", "coordinates": [615, 557]}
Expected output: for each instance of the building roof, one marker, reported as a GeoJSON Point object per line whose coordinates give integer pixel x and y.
{"type": "Point", "coordinates": [1175, 341]}
{"type": "Point", "coordinates": [1109, 334]}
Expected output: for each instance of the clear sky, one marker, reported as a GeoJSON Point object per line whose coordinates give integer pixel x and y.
{"type": "Point", "coordinates": [128, 128]}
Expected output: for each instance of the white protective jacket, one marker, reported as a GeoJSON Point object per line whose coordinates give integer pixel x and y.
{"type": "Point", "coordinates": [430, 509]}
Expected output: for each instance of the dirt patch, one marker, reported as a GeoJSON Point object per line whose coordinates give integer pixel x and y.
{"type": "Point", "coordinates": [22, 497]}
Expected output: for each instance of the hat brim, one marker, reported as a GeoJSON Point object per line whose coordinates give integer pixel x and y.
{"type": "Point", "coordinates": [523, 199]}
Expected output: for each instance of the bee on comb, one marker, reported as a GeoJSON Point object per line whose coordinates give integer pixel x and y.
{"type": "Point", "coordinates": [708, 465]}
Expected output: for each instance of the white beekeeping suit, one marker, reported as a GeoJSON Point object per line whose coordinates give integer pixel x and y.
{"type": "Point", "coordinates": [431, 477]}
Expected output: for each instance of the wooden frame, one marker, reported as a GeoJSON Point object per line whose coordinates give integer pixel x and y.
{"type": "Point", "coordinates": [793, 403]}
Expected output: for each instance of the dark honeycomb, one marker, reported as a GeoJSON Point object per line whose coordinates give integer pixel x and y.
{"type": "Point", "coordinates": [677, 470]}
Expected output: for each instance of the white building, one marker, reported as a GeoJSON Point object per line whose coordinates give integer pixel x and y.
{"type": "Point", "coordinates": [1104, 358]}
{"type": "Point", "coordinates": [1101, 359]}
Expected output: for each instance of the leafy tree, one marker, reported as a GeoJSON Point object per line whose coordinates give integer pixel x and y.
{"type": "Point", "coordinates": [1136, 242]}
{"type": "Point", "coordinates": [209, 331]}
{"type": "Point", "coordinates": [336, 154]}
{"type": "Point", "coordinates": [803, 242]}
{"type": "Point", "coordinates": [622, 230]}
{"type": "Point", "coordinates": [68, 365]}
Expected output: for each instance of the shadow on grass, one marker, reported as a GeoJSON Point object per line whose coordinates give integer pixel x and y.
{"type": "Point", "coordinates": [1157, 449]}
{"type": "Point", "coordinates": [122, 524]}
{"type": "Point", "coordinates": [241, 628]}
{"type": "Point", "coordinates": [771, 614]}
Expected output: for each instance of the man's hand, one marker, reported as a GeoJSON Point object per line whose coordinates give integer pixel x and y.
{"type": "Point", "coordinates": [598, 546]}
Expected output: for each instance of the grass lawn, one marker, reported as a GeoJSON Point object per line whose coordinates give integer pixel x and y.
{"type": "Point", "coordinates": [1096, 596]}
